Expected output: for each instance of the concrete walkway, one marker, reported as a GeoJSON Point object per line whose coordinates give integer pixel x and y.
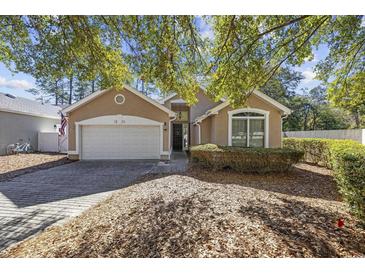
{"type": "Point", "coordinates": [177, 164]}
{"type": "Point", "coordinates": [34, 201]}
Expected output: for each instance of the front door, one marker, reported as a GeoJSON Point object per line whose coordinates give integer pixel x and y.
{"type": "Point", "coordinates": [177, 137]}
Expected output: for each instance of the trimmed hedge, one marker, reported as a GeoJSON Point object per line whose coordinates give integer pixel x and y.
{"type": "Point", "coordinates": [347, 160]}
{"type": "Point", "coordinates": [259, 160]}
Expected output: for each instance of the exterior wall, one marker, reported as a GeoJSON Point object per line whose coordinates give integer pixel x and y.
{"type": "Point", "coordinates": [105, 105]}
{"type": "Point", "coordinates": [204, 103]}
{"type": "Point", "coordinates": [179, 107]}
{"type": "Point", "coordinates": [357, 135]}
{"type": "Point", "coordinates": [220, 123]}
{"type": "Point", "coordinates": [168, 102]}
{"type": "Point", "coordinates": [194, 133]}
{"type": "Point", "coordinates": [14, 127]}
{"type": "Point", "coordinates": [205, 126]}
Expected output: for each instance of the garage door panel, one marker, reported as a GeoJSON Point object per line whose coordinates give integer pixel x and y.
{"type": "Point", "coordinates": [120, 142]}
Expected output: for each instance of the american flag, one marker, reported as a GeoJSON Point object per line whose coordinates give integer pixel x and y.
{"type": "Point", "coordinates": [63, 125]}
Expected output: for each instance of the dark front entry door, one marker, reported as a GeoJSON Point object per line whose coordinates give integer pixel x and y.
{"type": "Point", "coordinates": [177, 137]}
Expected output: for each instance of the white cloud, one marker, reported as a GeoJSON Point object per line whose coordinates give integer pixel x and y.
{"type": "Point", "coordinates": [308, 76]}
{"type": "Point", "coordinates": [206, 30]}
{"type": "Point", "coordinates": [15, 84]}
{"type": "Point", "coordinates": [207, 33]}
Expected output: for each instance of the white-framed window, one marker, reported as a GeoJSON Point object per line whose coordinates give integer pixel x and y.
{"type": "Point", "coordinates": [248, 127]}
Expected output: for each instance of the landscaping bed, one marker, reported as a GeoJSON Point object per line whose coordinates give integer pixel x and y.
{"type": "Point", "coordinates": [14, 165]}
{"type": "Point", "coordinates": [210, 214]}
{"type": "Point", "coordinates": [347, 160]}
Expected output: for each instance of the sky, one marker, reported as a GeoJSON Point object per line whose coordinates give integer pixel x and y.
{"type": "Point", "coordinates": [17, 84]}
{"type": "Point", "coordinates": [307, 69]}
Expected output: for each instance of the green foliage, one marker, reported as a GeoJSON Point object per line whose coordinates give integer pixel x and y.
{"type": "Point", "coordinates": [282, 86]}
{"type": "Point", "coordinates": [349, 168]}
{"type": "Point", "coordinates": [260, 160]}
{"type": "Point", "coordinates": [245, 53]}
{"type": "Point", "coordinates": [249, 50]}
{"type": "Point", "coordinates": [346, 158]}
{"type": "Point", "coordinates": [311, 111]}
{"type": "Point", "coordinates": [316, 150]}
{"type": "Point", "coordinates": [164, 50]}
{"type": "Point", "coordinates": [351, 96]}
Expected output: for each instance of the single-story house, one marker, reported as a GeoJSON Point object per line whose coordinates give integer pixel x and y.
{"type": "Point", "coordinates": [22, 119]}
{"type": "Point", "coordinates": [126, 124]}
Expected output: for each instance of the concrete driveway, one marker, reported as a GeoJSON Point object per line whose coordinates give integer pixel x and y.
{"type": "Point", "coordinates": [34, 201]}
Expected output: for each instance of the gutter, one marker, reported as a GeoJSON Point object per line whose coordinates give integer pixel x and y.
{"type": "Point", "coordinates": [29, 114]}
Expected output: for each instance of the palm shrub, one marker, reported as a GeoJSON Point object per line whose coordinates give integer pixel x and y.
{"type": "Point", "coordinates": [347, 160]}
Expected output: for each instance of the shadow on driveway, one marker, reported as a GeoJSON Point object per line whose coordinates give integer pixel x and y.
{"type": "Point", "coordinates": [15, 229]}
{"type": "Point", "coordinates": [72, 180]}
{"type": "Point", "coordinates": [18, 172]}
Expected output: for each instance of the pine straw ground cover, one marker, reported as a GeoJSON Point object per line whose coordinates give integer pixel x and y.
{"type": "Point", "coordinates": [14, 165]}
{"type": "Point", "coordinates": [210, 214]}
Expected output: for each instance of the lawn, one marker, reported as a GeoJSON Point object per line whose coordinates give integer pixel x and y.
{"type": "Point", "coordinates": [210, 214]}
{"type": "Point", "coordinates": [14, 165]}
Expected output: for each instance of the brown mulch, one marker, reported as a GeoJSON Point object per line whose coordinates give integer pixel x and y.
{"type": "Point", "coordinates": [210, 214]}
{"type": "Point", "coordinates": [14, 165]}
{"type": "Point", "coordinates": [304, 180]}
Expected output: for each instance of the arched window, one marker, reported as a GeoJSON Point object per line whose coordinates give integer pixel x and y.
{"type": "Point", "coordinates": [248, 127]}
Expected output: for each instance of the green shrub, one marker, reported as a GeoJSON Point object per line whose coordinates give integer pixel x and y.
{"type": "Point", "coordinates": [245, 159]}
{"type": "Point", "coordinates": [347, 160]}
{"type": "Point", "coordinates": [316, 151]}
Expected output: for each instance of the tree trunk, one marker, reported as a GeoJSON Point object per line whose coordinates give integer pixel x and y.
{"type": "Point", "coordinates": [305, 121]}
{"type": "Point", "coordinates": [93, 86]}
{"type": "Point", "coordinates": [56, 93]}
{"type": "Point", "coordinates": [314, 124]}
{"type": "Point", "coordinates": [70, 94]}
{"type": "Point", "coordinates": [62, 94]}
{"type": "Point", "coordinates": [357, 118]}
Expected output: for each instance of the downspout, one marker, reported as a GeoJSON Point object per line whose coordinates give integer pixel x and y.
{"type": "Point", "coordinates": [281, 127]}
{"type": "Point", "coordinates": [199, 133]}
{"type": "Point", "coordinates": [170, 129]}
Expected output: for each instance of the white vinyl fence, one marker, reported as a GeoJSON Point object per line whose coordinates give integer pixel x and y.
{"type": "Point", "coordinates": [52, 142]}
{"type": "Point", "coordinates": [347, 134]}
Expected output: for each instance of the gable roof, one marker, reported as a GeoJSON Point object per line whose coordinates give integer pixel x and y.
{"type": "Point", "coordinates": [96, 94]}
{"type": "Point", "coordinates": [20, 105]}
{"type": "Point", "coordinates": [226, 103]}
{"type": "Point", "coordinates": [164, 100]}
{"type": "Point", "coordinates": [172, 95]}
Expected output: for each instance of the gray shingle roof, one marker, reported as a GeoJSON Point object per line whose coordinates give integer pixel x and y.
{"type": "Point", "coordinates": [9, 103]}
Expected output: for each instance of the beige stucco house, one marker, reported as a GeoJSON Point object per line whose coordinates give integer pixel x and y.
{"type": "Point", "coordinates": [126, 124]}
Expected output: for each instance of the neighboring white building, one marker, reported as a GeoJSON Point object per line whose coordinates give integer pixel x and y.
{"type": "Point", "coordinates": [22, 119]}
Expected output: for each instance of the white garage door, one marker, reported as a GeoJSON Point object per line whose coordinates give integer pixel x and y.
{"type": "Point", "coordinates": [120, 142]}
